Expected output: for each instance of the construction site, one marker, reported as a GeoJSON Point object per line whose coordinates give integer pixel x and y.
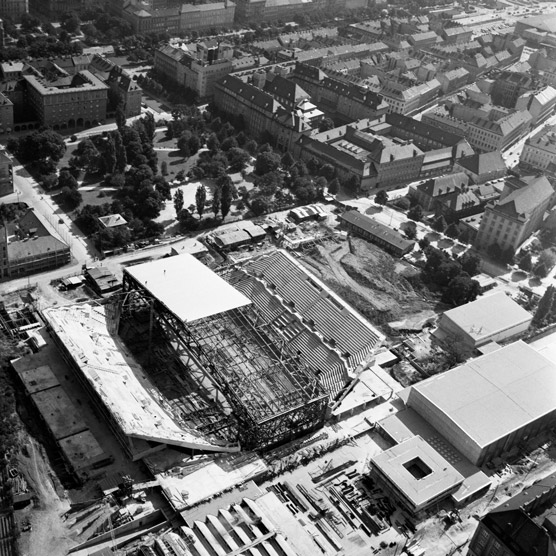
{"type": "Point", "coordinates": [205, 371]}
{"type": "Point", "coordinates": [253, 408]}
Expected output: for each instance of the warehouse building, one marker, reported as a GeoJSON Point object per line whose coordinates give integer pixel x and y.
{"type": "Point", "coordinates": [492, 318]}
{"type": "Point", "coordinates": [490, 404]}
{"type": "Point", "coordinates": [377, 233]}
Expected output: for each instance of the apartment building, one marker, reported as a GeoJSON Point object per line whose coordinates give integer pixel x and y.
{"type": "Point", "coordinates": [145, 21]}
{"type": "Point", "coordinates": [429, 193]}
{"type": "Point", "coordinates": [482, 167]}
{"type": "Point", "coordinates": [26, 247]}
{"type": "Point", "coordinates": [540, 104]}
{"type": "Point", "coordinates": [168, 62]}
{"type": "Point", "coordinates": [67, 102]}
{"type": "Point", "coordinates": [539, 150]}
{"type": "Point", "coordinates": [456, 35]}
{"type": "Point", "coordinates": [403, 99]}
{"type": "Point", "coordinates": [260, 110]}
{"type": "Point", "coordinates": [426, 136]}
{"type": "Point", "coordinates": [519, 212]}
{"type": "Point", "coordinates": [453, 79]}
{"type": "Point", "coordinates": [521, 526]}
{"type": "Point", "coordinates": [13, 9]}
{"type": "Point", "coordinates": [6, 174]}
{"type": "Point", "coordinates": [6, 115]}
{"type": "Point", "coordinates": [355, 150]}
{"type": "Point", "coordinates": [197, 17]}
{"type": "Point", "coordinates": [486, 135]}
{"type": "Point", "coordinates": [198, 66]}
{"type": "Point", "coordinates": [508, 86]}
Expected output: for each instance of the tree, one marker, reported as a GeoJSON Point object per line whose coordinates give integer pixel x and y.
{"type": "Point", "coordinates": [410, 230]}
{"type": "Point", "coordinates": [238, 159]}
{"type": "Point", "coordinates": [121, 119]}
{"type": "Point", "coordinates": [461, 289]}
{"type": "Point", "coordinates": [381, 197]}
{"type": "Point", "coordinates": [109, 154]}
{"type": "Point", "coordinates": [229, 143]}
{"type": "Point", "coordinates": [260, 205]}
{"type": "Point", "coordinates": [452, 231]}
{"type": "Point", "coordinates": [325, 124]}
{"type": "Point", "coordinates": [267, 162]}
{"type": "Point", "coordinates": [164, 168]}
{"type": "Point", "coordinates": [121, 157]}
{"type": "Point", "coordinates": [149, 125]}
{"type": "Point", "coordinates": [194, 144]}
{"type": "Point", "coordinates": [213, 144]}
{"type": "Point", "coordinates": [402, 203]}
{"type": "Point", "coordinates": [415, 213]}
{"type": "Point", "coordinates": [327, 171]}
{"type": "Point", "coordinates": [217, 199]}
{"type": "Point", "coordinates": [526, 262]}
{"type": "Point", "coordinates": [352, 184]}
{"type": "Point", "coordinates": [251, 147]}
{"type": "Point", "coordinates": [200, 199]}
{"type": "Point", "coordinates": [424, 243]}
{"type": "Point", "coordinates": [545, 263]}
{"type": "Point", "coordinates": [333, 186]}
{"type": "Point", "coordinates": [439, 224]}
{"type": "Point", "coordinates": [71, 197]}
{"type": "Point", "coordinates": [178, 201]}
{"type": "Point", "coordinates": [70, 23]}
{"type": "Point", "coordinates": [287, 160]}
{"type": "Point", "coordinates": [66, 179]}
{"type": "Point", "coordinates": [545, 307]}
{"type": "Point", "coordinates": [227, 197]}
{"type": "Point", "coordinates": [470, 263]}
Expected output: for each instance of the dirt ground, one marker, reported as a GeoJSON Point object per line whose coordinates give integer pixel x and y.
{"type": "Point", "coordinates": [379, 286]}
{"type": "Point", "coordinates": [49, 533]}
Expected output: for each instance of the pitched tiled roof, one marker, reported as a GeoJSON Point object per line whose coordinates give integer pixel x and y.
{"type": "Point", "coordinates": [249, 92]}
{"type": "Point", "coordinates": [285, 88]}
{"type": "Point", "coordinates": [423, 129]}
{"type": "Point", "coordinates": [483, 163]}
{"type": "Point", "coordinates": [524, 200]}
{"type": "Point", "coordinates": [442, 185]}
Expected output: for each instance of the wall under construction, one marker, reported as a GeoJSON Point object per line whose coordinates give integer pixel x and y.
{"type": "Point", "coordinates": [271, 393]}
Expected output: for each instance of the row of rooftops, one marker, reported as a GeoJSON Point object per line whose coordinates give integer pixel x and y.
{"type": "Point", "coordinates": [77, 72]}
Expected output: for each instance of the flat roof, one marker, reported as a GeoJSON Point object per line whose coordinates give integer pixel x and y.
{"type": "Point", "coordinates": [35, 379]}
{"type": "Point", "coordinates": [188, 288]}
{"type": "Point", "coordinates": [488, 315]}
{"type": "Point", "coordinates": [61, 416]}
{"type": "Point", "coordinates": [495, 394]}
{"type": "Point", "coordinates": [135, 404]}
{"type": "Point", "coordinates": [443, 478]}
{"type": "Point", "coordinates": [82, 450]}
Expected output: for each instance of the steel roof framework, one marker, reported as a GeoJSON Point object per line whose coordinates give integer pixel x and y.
{"type": "Point", "coordinates": [271, 393]}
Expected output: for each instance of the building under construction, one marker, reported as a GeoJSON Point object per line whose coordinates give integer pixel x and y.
{"type": "Point", "coordinates": [180, 357]}
{"type": "Point", "coordinates": [327, 333]}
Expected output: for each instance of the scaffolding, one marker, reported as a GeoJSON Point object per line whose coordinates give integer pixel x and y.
{"type": "Point", "coordinates": [248, 368]}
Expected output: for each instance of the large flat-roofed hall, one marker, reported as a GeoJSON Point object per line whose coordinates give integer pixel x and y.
{"type": "Point", "coordinates": [494, 317]}
{"type": "Point", "coordinates": [491, 403]}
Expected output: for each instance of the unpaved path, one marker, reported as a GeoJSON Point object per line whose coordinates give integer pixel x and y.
{"type": "Point", "coordinates": [49, 533]}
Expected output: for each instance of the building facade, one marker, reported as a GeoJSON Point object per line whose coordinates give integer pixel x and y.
{"type": "Point", "coordinates": [377, 233]}
{"type": "Point", "coordinates": [77, 101]}
{"type": "Point", "coordinates": [539, 150]}
{"type": "Point", "coordinates": [6, 175]}
{"type": "Point", "coordinates": [13, 9]}
{"type": "Point", "coordinates": [204, 16]}
{"type": "Point", "coordinates": [519, 211]}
